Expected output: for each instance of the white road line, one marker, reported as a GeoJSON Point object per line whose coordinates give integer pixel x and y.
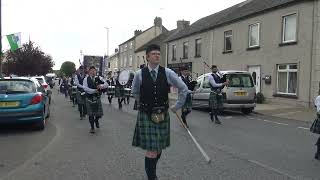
{"type": "Point", "coordinates": [272, 169]}
{"type": "Point", "coordinates": [276, 123]}
{"type": "Point", "coordinates": [303, 128]}
{"type": "Point", "coordinates": [287, 113]}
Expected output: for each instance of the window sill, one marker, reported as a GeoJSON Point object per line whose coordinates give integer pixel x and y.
{"type": "Point", "coordinates": [173, 59]}
{"type": "Point", "coordinates": [253, 48]}
{"type": "Point", "coordinates": [184, 58]}
{"type": "Point", "coordinates": [197, 56]}
{"type": "Point", "coordinates": [227, 52]}
{"type": "Point", "coordinates": [288, 43]}
{"type": "Point", "coordinates": [286, 96]}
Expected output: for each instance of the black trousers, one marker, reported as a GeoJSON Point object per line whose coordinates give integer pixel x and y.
{"type": "Point", "coordinates": [94, 120]}
{"type": "Point", "coordinates": [82, 109]}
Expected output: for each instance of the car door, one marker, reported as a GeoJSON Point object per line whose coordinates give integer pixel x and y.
{"type": "Point", "coordinates": [206, 89]}
{"type": "Point", "coordinates": [197, 91]}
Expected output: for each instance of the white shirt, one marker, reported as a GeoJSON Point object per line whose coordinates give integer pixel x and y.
{"type": "Point", "coordinates": [317, 103]}
{"type": "Point", "coordinates": [92, 91]}
{"type": "Point", "coordinates": [213, 82]}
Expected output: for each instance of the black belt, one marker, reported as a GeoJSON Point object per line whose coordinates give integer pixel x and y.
{"type": "Point", "coordinates": [155, 109]}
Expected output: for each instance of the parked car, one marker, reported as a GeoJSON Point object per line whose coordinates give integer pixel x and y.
{"type": "Point", "coordinates": [45, 85]}
{"type": "Point", "coordinates": [23, 100]}
{"type": "Point", "coordinates": [239, 94]}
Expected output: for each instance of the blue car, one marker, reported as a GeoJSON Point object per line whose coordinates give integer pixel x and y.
{"type": "Point", "coordinates": [23, 100]}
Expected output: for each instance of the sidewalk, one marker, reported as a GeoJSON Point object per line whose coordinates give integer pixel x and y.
{"type": "Point", "coordinates": [279, 110]}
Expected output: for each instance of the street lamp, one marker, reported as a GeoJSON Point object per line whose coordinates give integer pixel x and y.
{"type": "Point", "coordinates": [107, 28]}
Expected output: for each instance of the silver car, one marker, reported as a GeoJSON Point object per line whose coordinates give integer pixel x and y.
{"type": "Point", "coordinates": [239, 94]}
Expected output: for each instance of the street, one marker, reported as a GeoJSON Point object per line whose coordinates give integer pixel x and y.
{"type": "Point", "coordinates": [245, 147]}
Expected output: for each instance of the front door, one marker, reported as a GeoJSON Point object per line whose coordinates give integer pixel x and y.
{"type": "Point", "coordinates": [256, 74]}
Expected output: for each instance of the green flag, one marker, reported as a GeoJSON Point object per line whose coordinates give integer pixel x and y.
{"type": "Point", "coordinates": [14, 41]}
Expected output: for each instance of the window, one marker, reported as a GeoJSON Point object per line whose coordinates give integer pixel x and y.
{"type": "Point", "coordinates": [287, 79]}
{"type": "Point", "coordinates": [109, 64]}
{"type": "Point", "coordinates": [289, 28]}
{"type": "Point", "coordinates": [130, 61]}
{"type": "Point", "coordinates": [198, 48]}
{"type": "Point", "coordinates": [206, 83]}
{"type": "Point", "coordinates": [254, 35]}
{"type": "Point", "coordinates": [131, 44]}
{"type": "Point", "coordinates": [174, 52]}
{"type": "Point", "coordinates": [227, 41]}
{"type": "Point", "coordinates": [185, 50]}
{"type": "Point", "coordinates": [125, 62]}
{"type": "Point", "coordinates": [125, 47]}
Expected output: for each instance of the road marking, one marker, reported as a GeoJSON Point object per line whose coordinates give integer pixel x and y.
{"type": "Point", "coordinates": [287, 113]}
{"type": "Point", "coordinates": [276, 122]}
{"type": "Point", "coordinates": [271, 169]}
{"type": "Point", "coordinates": [303, 128]}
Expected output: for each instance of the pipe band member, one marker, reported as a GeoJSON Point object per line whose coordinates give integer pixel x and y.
{"type": "Point", "coordinates": [150, 88]}
{"type": "Point", "coordinates": [215, 99]}
{"type": "Point", "coordinates": [316, 126]}
{"type": "Point", "coordinates": [119, 92]}
{"type": "Point", "coordinates": [93, 86]}
{"type": "Point", "coordinates": [81, 97]}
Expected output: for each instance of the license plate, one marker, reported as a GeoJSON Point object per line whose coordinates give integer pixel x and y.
{"type": "Point", "coordinates": [9, 104]}
{"type": "Point", "coordinates": [240, 93]}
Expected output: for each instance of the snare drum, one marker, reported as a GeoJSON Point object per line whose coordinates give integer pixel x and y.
{"type": "Point", "coordinates": [111, 90]}
{"type": "Point", "coordinates": [127, 91]}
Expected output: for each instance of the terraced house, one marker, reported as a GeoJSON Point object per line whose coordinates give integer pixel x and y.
{"type": "Point", "coordinates": [276, 40]}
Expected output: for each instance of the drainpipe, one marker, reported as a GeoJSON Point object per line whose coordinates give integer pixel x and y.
{"type": "Point", "coordinates": [311, 53]}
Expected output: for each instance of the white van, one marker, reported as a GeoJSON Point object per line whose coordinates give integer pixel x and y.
{"type": "Point", "coordinates": [239, 94]}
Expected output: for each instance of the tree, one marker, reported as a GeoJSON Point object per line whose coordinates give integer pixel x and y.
{"type": "Point", "coordinates": [67, 68]}
{"type": "Point", "coordinates": [27, 60]}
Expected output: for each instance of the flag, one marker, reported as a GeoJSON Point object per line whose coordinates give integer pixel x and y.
{"type": "Point", "coordinates": [14, 41]}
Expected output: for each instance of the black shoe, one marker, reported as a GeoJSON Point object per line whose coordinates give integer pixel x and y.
{"type": "Point", "coordinates": [97, 125]}
{"type": "Point", "coordinates": [92, 131]}
{"type": "Point", "coordinates": [217, 121]}
{"type": "Point", "coordinates": [81, 118]}
{"type": "Point", "coordinates": [211, 116]}
{"type": "Point", "coordinates": [120, 106]}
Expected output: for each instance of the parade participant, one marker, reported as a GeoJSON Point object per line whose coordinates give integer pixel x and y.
{"type": "Point", "coordinates": [81, 98]}
{"type": "Point", "coordinates": [64, 87]}
{"type": "Point", "coordinates": [93, 86]}
{"type": "Point", "coordinates": [150, 88]}
{"type": "Point", "coordinates": [119, 91]}
{"type": "Point", "coordinates": [315, 128]}
{"type": "Point", "coordinates": [215, 99]}
{"type": "Point", "coordinates": [111, 82]}
{"type": "Point", "coordinates": [186, 108]}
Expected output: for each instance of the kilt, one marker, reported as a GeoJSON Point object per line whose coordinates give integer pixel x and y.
{"type": "Point", "coordinates": [188, 104]}
{"type": "Point", "coordinates": [119, 92]}
{"type": "Point", "coordinates": [81, 99]}
{"type": "Point", "coordinates": [315, 127]}
{"type": "Point", "coordinates": [215, 100]}
{"type": "Point", "coordinates": [149, 135]}
{"type": "Point", "coordinates": [94, 109]}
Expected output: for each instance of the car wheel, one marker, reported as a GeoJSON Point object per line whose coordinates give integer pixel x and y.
{"type": "Point", "coordinates": [246, 110]}
{"type": "Point", "coordinates": [41, 125]}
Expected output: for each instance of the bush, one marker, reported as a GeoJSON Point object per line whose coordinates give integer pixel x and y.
{"type": "Point", "coordinates": [260, 98]}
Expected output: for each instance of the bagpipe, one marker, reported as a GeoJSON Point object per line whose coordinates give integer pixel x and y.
{"type": "Point", "coordinates": [98, 82]}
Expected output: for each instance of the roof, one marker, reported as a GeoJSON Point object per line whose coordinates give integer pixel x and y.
{"type": "Point", "coordinates": [163, 29]}
{"type": "Point", "coordinates": [235, 13]}
{"type": "Point", "coordinates": [158, 40]}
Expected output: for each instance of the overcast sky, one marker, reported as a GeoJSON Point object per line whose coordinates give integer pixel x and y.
{"type": "Point", "coordinates": [64, 27]}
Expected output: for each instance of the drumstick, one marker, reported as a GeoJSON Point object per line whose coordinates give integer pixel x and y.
{"type": "Point", "coordinates": [205, 155]}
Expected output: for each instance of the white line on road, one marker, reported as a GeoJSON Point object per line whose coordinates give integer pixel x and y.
{"type": "Point", "coordinates": [303, 128]}
{"type": "Point", "coordinates": [276, 122]}
{"type": "Point", "coordinates": [272, 169]}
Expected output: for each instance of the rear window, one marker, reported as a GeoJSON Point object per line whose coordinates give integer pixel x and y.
{"type": "Point", "coordinates": [240, 80]}
{"type": "Point", "coordinates": [16, 86]}
{"type": "Point", "coordinates": [40, 80]}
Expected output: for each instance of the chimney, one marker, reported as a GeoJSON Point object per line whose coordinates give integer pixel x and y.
{"type": "Point", "coordinates": [182, 24]}
{"type": "Point", "coordinates": [137, 32]}
{"type": "Point", "coordinates": [116, 50]}
{"type": "Point", "coordinates": [158, 22]}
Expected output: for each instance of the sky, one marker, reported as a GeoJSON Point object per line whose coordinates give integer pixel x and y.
{"type": "Point", "coordinates": [62, 28]}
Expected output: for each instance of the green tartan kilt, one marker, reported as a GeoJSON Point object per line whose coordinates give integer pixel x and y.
{"type": "Point", "coordinates": [188, 104]}
{"type": "Point", "coordinates": [215, 100]}
{"type": "Point", "coordinates": [149, 135]}
{"type": "Point", "coordinates": [119, 92]}
{"type": "Point", "coordinates": [81, 99]}
{"type": "Point", "coordinates": [94, 109]}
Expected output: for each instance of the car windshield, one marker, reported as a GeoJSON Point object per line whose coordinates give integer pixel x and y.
{"type": "Point", "coordinates": [40, 80]}
{"type": "Point", "coordinates": [16, 86]}
{"type": "Point", "coordinates": [240, 80]}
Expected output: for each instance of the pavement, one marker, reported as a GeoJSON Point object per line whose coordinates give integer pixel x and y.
{"type": "Point", "coordinates": [281, 111]}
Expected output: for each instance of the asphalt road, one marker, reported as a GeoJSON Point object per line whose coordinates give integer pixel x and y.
{"type": "Point", "coordinates": [243, 147]}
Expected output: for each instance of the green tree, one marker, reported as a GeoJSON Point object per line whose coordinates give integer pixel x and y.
{"type": "Point", "coordinates": [27, 60]}
{"type": "Point", "coordinates": [67, 68]}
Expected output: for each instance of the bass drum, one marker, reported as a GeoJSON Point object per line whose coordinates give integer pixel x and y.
{"type": "Point", "coordinates": [124, 77]}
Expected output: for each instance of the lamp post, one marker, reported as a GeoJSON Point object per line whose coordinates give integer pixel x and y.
{"type": "Point", "coordinates": [107, 28]}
